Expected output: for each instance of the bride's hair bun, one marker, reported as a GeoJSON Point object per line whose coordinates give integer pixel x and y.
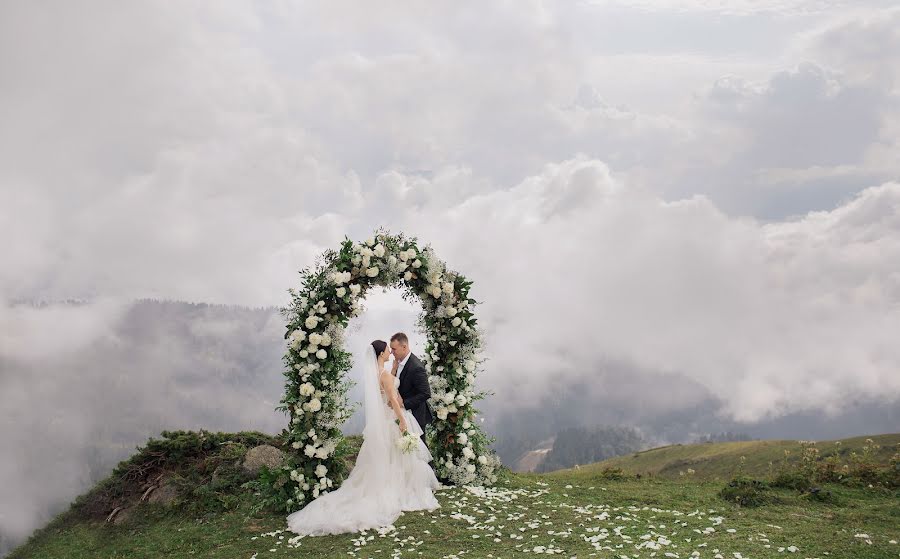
{"type": "Point", "coordinates": [379, 346]}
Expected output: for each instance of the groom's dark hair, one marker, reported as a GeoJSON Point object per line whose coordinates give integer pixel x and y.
{"type": "Point", "coordinates": [378, 346]}
{"type": "Point", "coordinates": [400, 337]}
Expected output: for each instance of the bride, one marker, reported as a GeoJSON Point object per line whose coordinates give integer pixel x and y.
{"type": "Point", "coordinates": [385, 481]}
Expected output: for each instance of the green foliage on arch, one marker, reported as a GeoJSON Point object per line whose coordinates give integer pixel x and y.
{"type": "Point", "coordinates": [316, 362]}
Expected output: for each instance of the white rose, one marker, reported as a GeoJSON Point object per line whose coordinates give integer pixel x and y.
{"type": "Point", "coordinates": [392, 261]}
{"type": "Point", "coordinates": [304, 354]}
{"type": "Point", "coordinates": [372, 272]}
{"type": "Point", "coordinates": [470, 468]}
{"type": "Point", "coordinates": [321, 470]}
{"type": "Point", "coordinates": [379, 250]}
{"type": "Point", "coordinates": [470, 365]}
{"type": "Point", "coordinates": [456, 322]}
{"type": "Point", "coordinates": [355, 288]}
{"type": "Point", "coordinates": [442, 414]}
{"type": "Point", "coordinates": [407, 276]}
{"type": "Point", "coordinates": [411, 252]}
{"type": "Point", "coordinates": [461, 400]}
{"type": "Point", "coordinates": [451, 311]}
{"type": "Point", "coordinates": [341, 291]}
{"type": "Point", "coordinates": [462, 438]}
{"type": "Point", "coordinates": [298, 335]}
{"type": "Point", "coordinates": [305, 486]}
{"type": "Point", "coordinates": [326, 340]}
{"type": "Point", "coordinates": [315, 493]}
{"type": "Point", "coordinates": [482, 459]}
{"type": "Point", "coordinates": [417, 264]}
{"type": "Point", "coordinates": [466, 424]}
{"type": "Point", "coordinates": [310, 450]}
{"type": "Point", "coordinates": [295, 444]}
{"type": "Point", "coordinates": [315, 339]}
{"type": "Point", "coordinates": [321, 354]}
{"type": "Point", "coordinates": [356, 260]}
{"type": "Point", "coordinates": [315, 405]}
{"type": "Point", "coordinates": [448, 288]}
{"type": "Point", "coordinates": [470, 379]}
{"type": "Point", "coordinates": [306, 389]}
{"type": "Point", "coordinates": [370, 241]}
{"type": "Point", "coordinates": [311, 321]}
{"type": "Point", "coordinates": [449, 397]}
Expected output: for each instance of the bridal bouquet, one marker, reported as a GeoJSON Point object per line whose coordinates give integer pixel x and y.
{"type": "Point", "coordinates": [407, 442]}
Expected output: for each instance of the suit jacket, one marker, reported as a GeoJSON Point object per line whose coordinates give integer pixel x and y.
{"type": "Point", "coordinates": [415, 391]}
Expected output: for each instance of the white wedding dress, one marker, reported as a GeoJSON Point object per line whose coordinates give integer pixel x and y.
{"type": "Point", "coordinates": [383, 483]}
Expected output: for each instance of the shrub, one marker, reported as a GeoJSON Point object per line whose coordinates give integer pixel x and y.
{"type": "Point", "coordinates": [747, 492]}
{"type": "Point", "coordinates": [614, 474]}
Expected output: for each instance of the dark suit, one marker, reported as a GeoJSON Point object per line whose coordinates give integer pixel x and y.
{"type": "Point", "coordinates": [415, 391]}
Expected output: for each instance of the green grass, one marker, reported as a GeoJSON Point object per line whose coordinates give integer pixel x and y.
{"type": "Point", "coordinates": [720, 461]}
{"type": "Point", "coordinates": [580, 513]}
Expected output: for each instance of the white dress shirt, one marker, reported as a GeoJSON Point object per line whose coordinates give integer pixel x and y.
{"type": "Point", "coordinates": [403, 364]}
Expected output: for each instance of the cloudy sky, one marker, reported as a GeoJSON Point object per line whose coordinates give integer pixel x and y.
{"type": "Point", "coordinates": [702, 190]}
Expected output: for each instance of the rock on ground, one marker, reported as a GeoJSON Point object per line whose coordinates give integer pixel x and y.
{"type": "Point", "coordinates": [262, 455]}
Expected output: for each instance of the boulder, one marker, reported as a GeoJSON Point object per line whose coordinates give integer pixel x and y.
{"type": "Point", "coordinates": [122, 516]}
{"type": "Point", "coordinates": [262, 455]}
{"type": "Point", "coordinates": [165, 494]}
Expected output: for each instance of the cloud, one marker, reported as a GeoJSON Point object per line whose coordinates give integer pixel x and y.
{"type": "Point", "coordinates": [769, 318]}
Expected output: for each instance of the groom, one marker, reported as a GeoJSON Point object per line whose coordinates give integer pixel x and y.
{"type": "Point", "coordinates": [414, 390]}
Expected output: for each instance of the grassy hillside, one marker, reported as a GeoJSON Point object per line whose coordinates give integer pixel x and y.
{"type": "Point", "coordinates": [583, 513]}
{"type": "Point", "coordinates": [719, 461]}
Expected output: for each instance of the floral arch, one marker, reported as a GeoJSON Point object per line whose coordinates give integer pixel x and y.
{"type": "Point", "coordinates": [316, 362]}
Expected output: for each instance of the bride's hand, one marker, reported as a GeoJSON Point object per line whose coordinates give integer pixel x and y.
{"type": "Point", "coordinates": [403, 426]}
